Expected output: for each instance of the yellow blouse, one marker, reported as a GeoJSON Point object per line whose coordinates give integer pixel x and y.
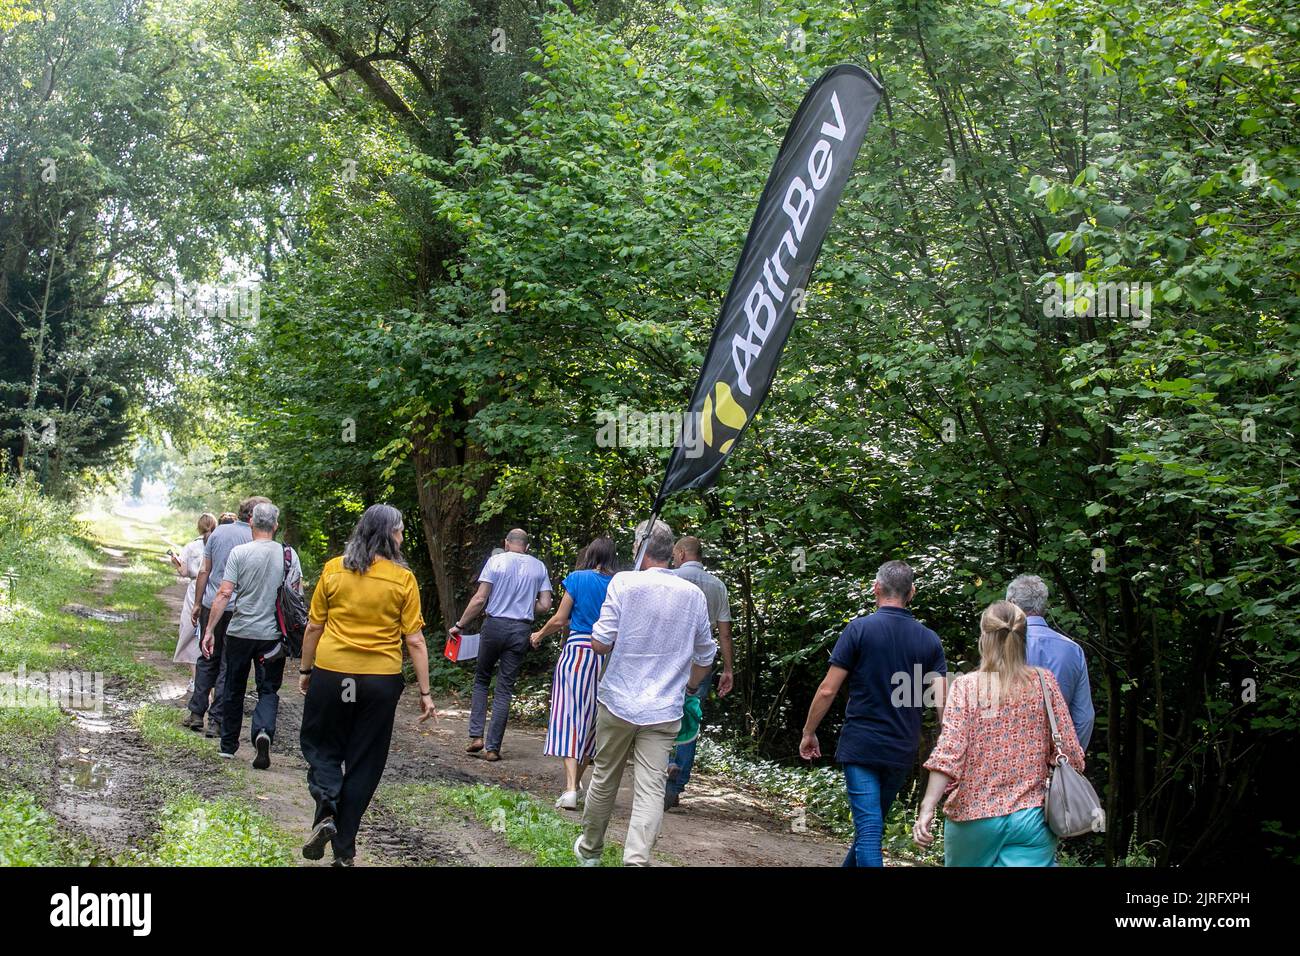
{"type": "Point", "coordinates": [366, 616]}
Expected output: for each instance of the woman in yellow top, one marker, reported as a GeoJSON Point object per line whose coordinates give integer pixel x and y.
{"type": "Point", "coordinates": [365, 606]}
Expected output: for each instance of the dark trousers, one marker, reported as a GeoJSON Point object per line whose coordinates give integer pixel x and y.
{"type": "Point", "coordinates": [210, 672]}
{"type": "Point", "coordinates": [502, 641]}
{"type": "Point", "coordinates": [347, 722]}
{"type": "Point", "coordinates": [241, 654]}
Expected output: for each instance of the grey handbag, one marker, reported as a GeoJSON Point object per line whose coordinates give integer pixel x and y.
{"type": "Point", "coordinates": [1071, 805]}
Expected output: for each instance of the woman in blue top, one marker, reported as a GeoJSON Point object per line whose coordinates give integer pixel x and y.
{"type": "Point", "coordinates": [571, 733]}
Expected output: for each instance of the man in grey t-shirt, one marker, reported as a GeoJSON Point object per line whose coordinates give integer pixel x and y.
{"type": "Point", "coordinates": [514, 587]}
{"type": "Point", "coordinates": [253, 575]}
{"type": "Point", "coordinates": [210, 669]}
{"type": "Point", "coordinates": [687, 556]}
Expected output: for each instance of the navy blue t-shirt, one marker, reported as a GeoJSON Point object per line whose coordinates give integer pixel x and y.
{"type": "Point", "coordinates": [889, 655]}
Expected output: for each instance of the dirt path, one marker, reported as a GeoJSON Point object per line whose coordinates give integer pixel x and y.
{"type": "Point", "coordinates": [715, 825]}
{"type": "Point", "coordinates": [109, 782]}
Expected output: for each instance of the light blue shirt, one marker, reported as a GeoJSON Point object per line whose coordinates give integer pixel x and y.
{"type": "Point", "coordinates": [1045, 647]}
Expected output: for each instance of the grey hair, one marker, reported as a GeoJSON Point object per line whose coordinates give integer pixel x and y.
{"type": "Point", "coordinates": [896, 579]}
{"type": "Point", "coordinates": [660, 545]}
{"type": "Point", "coordinates": [265, 516]}
{"type": "Point", "coordinates": [373, 537]}
{"type": "Point", "coordinates": [1029, 593]}
{"type": "Point", "coordinates": [518, 536]}
{"type": "Point", "coordinates": [639, 535]}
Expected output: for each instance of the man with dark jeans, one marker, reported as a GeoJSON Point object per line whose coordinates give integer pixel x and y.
{"type": "Point", "coordinates": [254, 573]}
{"type": "Point", "coordinates": [210, 669]}
{"type": "Point", "coordinates": [513, 589]}
{"type": "Point", "coordinates": [887, 658]}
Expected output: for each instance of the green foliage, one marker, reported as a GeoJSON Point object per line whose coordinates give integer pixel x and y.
{"type": "Point", "coordinates": [526, 823]}
{"type": "Point", "coordinates": [28, 834]}
{"type": "Point", "coordinates": [225, 832]}
{"type": "Point", "coordinates": [160, 728]}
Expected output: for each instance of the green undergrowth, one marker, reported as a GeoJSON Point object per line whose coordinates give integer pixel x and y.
{"type": "Point", "coordinates": [526, 824]}
{"type": "Point", "coordinates": [223, 832]}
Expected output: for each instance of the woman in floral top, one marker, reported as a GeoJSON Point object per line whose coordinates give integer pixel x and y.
{"type": "Point", "coordinates": [991, 760]}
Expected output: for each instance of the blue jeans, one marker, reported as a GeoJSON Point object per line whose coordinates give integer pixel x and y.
{"type": "Point", "coordinates": [683, 755]}
{"type": "Point", "coordinates": [871, 792]}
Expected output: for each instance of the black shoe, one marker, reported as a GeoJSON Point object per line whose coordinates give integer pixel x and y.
{"type": "Point", "coordinates": [214, 730]}
{"type": "Point", "coordinates": [263, 758]}
{"type": "Point", "coordinates": [193, 721]}
{"type": "Point", "coordinates": [670, 800]}
{"type": "Point", "coordinates": [344, 861]}
{"type": "Point", "coordinates": [321, 834]}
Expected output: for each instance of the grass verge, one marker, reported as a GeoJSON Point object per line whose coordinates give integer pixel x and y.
{"type": "Point", "coordinates": [223, 832]}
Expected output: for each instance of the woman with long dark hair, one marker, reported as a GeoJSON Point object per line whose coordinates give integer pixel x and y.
{"type": "Point", "coordinates": [571, 733]}
{"type": "Point", "coordinates": [366, 605]}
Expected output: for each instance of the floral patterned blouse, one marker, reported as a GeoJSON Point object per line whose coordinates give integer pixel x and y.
{"type": "Point", "coordinates": [998, 756]}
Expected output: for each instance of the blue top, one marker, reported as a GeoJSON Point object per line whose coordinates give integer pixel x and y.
{"type": "Point", "coordinates": [1045, 647]}
{"type": "Point", "coordinates": [587, 588]}
{"type": "Point", "coordinates": [890, 657]}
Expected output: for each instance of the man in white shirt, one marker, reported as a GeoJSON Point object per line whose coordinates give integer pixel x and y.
{"type": "Point", "coordinates": [655, 628]}
{"type": "Point", "coordinates": [514, 588]}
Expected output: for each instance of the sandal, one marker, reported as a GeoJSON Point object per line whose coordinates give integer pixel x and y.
{"type": "Point", "coordinates": [474, 746]}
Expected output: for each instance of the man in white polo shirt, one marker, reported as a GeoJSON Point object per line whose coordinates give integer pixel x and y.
{"type": "Point", "coordinates": [655, 628]}
{"type": "Point", "coordinates": [513, 589]}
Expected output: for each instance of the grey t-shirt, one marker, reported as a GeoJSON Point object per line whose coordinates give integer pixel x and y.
{"type": "Point", "coordinates": [715, 592]}
{"type": "Point", "coordinates": [256, 570]}
{"type": "Point", "coordinates": [516, 580]}
{"type": "Point", "coordinates": [224, 539]}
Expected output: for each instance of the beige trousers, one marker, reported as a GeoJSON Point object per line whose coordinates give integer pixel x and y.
{"type": "Point", "coordinates": [649, 747]}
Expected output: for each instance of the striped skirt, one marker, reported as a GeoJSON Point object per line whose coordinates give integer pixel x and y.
{"type": "Point", "coordinates": [572, 730]}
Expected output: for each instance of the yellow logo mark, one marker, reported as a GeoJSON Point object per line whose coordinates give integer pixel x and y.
{"type": "Point", "coordinates": [721, 404]}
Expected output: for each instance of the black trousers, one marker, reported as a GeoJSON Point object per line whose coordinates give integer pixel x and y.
{"type": "Point", "coordinates": [241, 656]}
{"type": "Point", "coordinates": [210, 672]}
{"type": "Point", "coordinates": [347, 722]}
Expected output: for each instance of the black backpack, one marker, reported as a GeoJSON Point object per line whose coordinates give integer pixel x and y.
{"type": "Point", "coordinates": [290, 611]}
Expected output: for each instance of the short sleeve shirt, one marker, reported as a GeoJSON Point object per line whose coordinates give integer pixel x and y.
{"type": "Point", "coordinates": [224, 539]}
{"type": "Point", "coordinates": [587, 589]}
{"type": "Point", "coordinates": [715, 592]}
{"type": "Point", "coordinates": [890, 657]}
{"type": "Point", "coordinates": [516, 580]}
{"type": "Point", "coordinates": [257, 570]}
{"type": "Point", "coordinates": [366, 616]}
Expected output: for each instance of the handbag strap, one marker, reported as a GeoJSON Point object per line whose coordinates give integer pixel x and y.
{"type": "Point", "coordinates": [1051, 718]}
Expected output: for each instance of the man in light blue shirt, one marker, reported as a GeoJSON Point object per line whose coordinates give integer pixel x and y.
{"type": "Point", "coordinates": [1047, 648]}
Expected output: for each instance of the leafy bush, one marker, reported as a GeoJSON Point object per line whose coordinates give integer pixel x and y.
{"type": "Point", "coordinates": [28, 835]}
{"type": "Point", "coordinates": [525, 823]}
{"type": "Point", "coordinates": [224, 832]}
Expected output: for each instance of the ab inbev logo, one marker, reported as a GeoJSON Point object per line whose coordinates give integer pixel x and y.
{"type": "Point", "coordinates": [76, 909]}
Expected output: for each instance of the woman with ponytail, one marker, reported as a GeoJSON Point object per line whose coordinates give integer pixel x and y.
{"type": "Point", "coordinates": [991, 760]}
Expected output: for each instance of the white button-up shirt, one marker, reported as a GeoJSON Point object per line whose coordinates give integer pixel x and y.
{"type": "Point", "coordinates": [657, 625]}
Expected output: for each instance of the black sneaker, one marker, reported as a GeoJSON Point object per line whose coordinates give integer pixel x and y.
{"type": "Point", "coordinates": [214, 730]}
{"type": "Point", "coordinates": [321, 834]}
{"type": "Point", "coordinates": [263, 758]}
{"type": "Point", "coordinates": [344, 861]}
